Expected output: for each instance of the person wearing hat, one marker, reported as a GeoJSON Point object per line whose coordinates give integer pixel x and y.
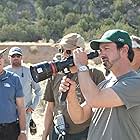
{"type": "Point", "coordinates": [136, 48]}
{"type": "Point", "coordinates": [56, 110]}
{"type": "Point", "coordinates": [12, 112]}
{"type": "Point", "coordinates": [31, 89]}
{"type": "Point", "coordinates": [116, 101]}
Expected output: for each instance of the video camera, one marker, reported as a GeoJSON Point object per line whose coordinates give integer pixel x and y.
{"type": "Point", "coordinates": [44, 70]}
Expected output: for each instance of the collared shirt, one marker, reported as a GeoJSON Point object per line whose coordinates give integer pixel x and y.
{"type": "Point", "coordinates": [29, 85]}
{"type": "Point", "coordinates": [10, 89]}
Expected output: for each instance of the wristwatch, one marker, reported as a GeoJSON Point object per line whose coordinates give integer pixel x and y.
{"type": "Point", "coordinates": [83, 68]}
{"type": "Point", "coordinates": [23, 132]}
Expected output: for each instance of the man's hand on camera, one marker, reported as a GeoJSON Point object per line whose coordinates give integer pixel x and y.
{"type": "Point", "coordinates": [80, 57]}
{"type": "Point", "coordinates": [67, 84]}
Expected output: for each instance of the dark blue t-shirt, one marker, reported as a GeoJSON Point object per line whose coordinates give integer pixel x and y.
{"type": "Point", "coordinates": [10, 89]}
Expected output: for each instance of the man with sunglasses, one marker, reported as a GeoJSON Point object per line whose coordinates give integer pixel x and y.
{"type": "Point", "coordinates": [56, 110]}
{"type": "Point", "coordinates": [31, 100]}
{"type": "Point", "coordinates": [12, 111]}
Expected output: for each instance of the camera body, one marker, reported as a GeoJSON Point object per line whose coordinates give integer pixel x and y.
{"type": "Point", "coordinates": [44, 70]}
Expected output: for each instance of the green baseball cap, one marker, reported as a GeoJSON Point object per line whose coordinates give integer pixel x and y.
{"type": "Point", "coordinates": [115, 35]}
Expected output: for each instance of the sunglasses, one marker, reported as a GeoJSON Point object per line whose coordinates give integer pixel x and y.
{"type": "Point", "coordinates": [61, 50]}
{"type": "Point", "coordinates": [16, 55]}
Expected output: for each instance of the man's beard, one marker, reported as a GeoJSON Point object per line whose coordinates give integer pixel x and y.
{"type": "Point", "coordinates": [16, 64]}
{"type": "Point", "coordinates": [108, 64]}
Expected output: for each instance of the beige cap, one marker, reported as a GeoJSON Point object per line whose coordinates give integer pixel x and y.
{"type": "Point", "coordinates": [135, 41]}
{"type": "Point", "coordinates": [72, 41]}
{"type": "Point", "coordinates": [2, 51]}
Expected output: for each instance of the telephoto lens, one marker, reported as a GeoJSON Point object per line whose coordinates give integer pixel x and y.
{"type": "Point", "coordinates": [41, 71]}
{"type": "Point", "coordinates": [44, 70]}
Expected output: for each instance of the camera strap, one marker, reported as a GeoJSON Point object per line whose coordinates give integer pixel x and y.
{"type": "Point", "coordinates": [59, 120]}
{"type": "Point", "coordinates": [59, 125]}
{"type": "Point", "coordinates": [61, 137]}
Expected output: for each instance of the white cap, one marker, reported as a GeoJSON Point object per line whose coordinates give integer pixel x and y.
{"type": "Point", "coordinates": [15, 50]}
{"type": "Point", "coordinates": [135, 41]}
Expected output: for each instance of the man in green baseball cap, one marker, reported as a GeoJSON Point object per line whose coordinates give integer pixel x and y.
{"type": "Point", "coordinates": [117, 100]}
{"type": "Point", "coordinates": [115, 35]}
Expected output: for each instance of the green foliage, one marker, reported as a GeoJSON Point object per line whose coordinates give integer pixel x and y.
{"type": "Point", "coordinates": [11, 33]}
{"type": "Point", "coordinates": [118, 4]}
{"type": "Point", "coordinates": [71, 19]}
{"type": "Point", "coordinates": [51, 19]}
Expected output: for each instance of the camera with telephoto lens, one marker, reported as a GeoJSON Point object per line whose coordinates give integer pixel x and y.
{"type": "Point", "coordinates": [44, 70]}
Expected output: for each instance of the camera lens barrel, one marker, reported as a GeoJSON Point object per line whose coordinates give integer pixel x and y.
{"type": "Point", "coordinates": [41, 71]}
{"type": "Point", "coordinates": [44, 70]}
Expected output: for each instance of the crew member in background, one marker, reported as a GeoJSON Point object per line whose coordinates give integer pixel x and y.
{"type": "Point", "coordinates": [29, 86]}
{"type": "Point", "coordinates": [55, 108]}
{"type": "Point", "coordinates": [136, 48]}
{"type": "Point", "coordinates": [12, 111]}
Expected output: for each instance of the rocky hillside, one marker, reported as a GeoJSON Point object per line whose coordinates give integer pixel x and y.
{"type": "Point", "coordinates": [129, 9]}
{"type": "Point", "coordinates": [33, 20]}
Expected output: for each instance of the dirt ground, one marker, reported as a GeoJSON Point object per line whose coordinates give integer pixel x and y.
{"type": "Point", "coordinates": [38, 117]}
{"type": "Point", "coordinates": [32, 52]}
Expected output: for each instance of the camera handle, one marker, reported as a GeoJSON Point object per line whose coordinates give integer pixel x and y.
{"type": "Point", "coordinates": [63, 95]}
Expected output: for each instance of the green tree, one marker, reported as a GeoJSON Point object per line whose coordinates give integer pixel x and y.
{"type": "Point", "coordinates": [71, 19]}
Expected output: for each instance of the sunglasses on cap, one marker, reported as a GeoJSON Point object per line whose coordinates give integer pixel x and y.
{"type": "Point", "coordinates": [61, 50]}
{"type": "Point", "coordinates": [16, 55]}
{"type": "Point", "coordinates": [69, 52]}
